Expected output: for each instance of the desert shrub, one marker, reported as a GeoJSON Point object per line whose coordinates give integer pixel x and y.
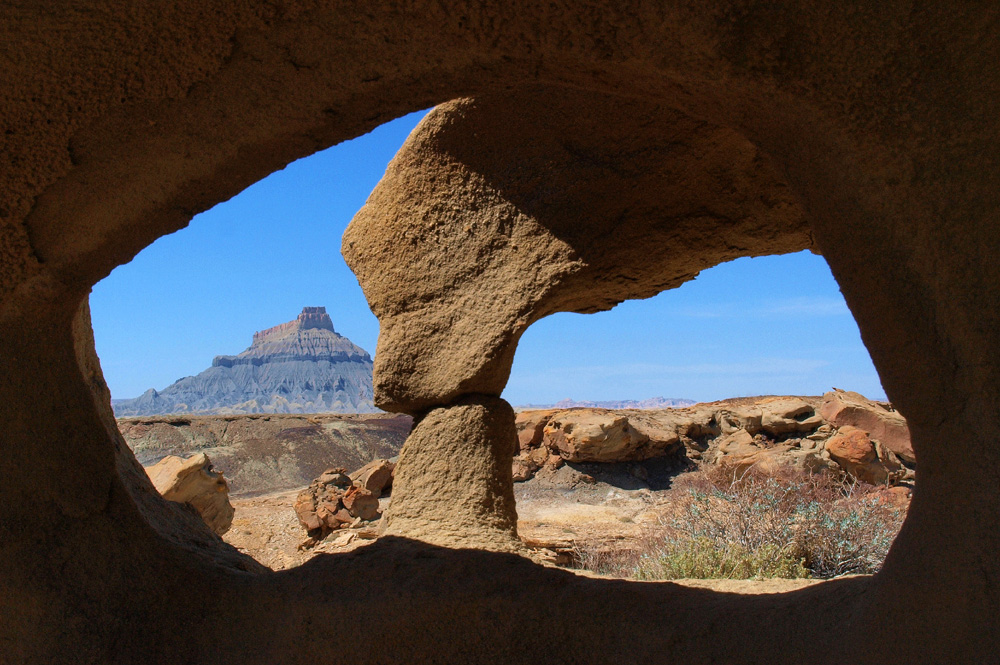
{"type": "Point", "coordinates": [703, 558]}
{"type": "Point", "coordinates": [754, 524]}
{"type": "Point", "coordinates": [851, 536]}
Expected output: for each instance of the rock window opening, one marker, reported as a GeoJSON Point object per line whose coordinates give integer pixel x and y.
{"type": "Point", "coordinates": [585, 479]}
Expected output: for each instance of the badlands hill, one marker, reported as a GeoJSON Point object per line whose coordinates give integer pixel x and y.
{"type": "Point", "coordinates": [302, 366]}
{"type": "Point", "coordinates": [264, 453]}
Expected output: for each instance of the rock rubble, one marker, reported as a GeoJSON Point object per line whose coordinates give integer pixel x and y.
{"type": "Point", "coordinates": [335, 499]}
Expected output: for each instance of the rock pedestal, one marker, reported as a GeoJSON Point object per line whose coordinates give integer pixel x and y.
{"type": "Point", "coordinates": [453, 484]}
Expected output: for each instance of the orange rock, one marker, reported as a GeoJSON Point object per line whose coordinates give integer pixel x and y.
{"type": "Point", "coordinates": [851, 446]}
{"type": "Point", "coordinates": [376, 476]}
{"type": "Point", "coordinates": [594, 435]}
{"type": "Point", "coordinates": [857, 454]}
{"type": "Point", "coordinates": [530, 427]}
{"type": "Point", "coordinates": [842, 408]}
{"type": "Point", "coordinates": [359, 502]}
{"type": "Point", "coordinates": [523, 469]}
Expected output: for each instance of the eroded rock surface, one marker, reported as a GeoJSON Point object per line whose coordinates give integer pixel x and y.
{"type": "Point", "coordinates": [193, 481]}
{"type": "Point", "coordinates": [765, 432]}
{"type": "Point", "coordinates": [844, 408]}
{"type": "Point", "coordinates": [453, 484]}
{"type": "Point", "coordinates": [376, 476]}
{"type": "Point", "coordinates": [333, 501]}
{"type": "Point", "coordinates": [623, 181]}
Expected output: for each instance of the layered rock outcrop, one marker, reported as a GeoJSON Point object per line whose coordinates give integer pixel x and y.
{"type": "Point", "coordinates": [302, 366]}
{"type": "Point", "coordinates": [849, 409]}
{"type": "Point", "coordinates": [764, 432]}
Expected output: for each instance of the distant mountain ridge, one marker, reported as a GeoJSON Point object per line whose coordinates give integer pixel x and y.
{"type": "Point", "coordinates": [302, 366]}
{"type": "Point", "coordinates": [651, 403]}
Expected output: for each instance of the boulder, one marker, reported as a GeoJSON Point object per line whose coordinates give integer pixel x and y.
{"type": "Point", "coordinates": [360, 502]}
{"type": "Point", "coordinates": [592, 435]}
{"type": "Point", "coordinates": [851, 446]}
{"type": "Point", "coordinates": [333, 500]}
{"type": "Point", "coordinates": [193, 481]}
{"type": "Point", "coordinates": [530, 426]}
{"type": "Point", "coordinates": [857, 454]}
{"type": "Point", "coordinates": [376, 476]}
{"type": "Point", "coordinates": [523, 469]}
{"type": "Point", "coordinates": [843, 408]}
{"type": "Point", "coordinates": [788, 415]}
{"type": "Point", "coordinates": [739, 451]}
{"type": "Point", "coordinates": [337, 477]}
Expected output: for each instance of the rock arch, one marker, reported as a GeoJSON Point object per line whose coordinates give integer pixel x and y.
{"type": "Point", "coordinates": [501, 210]}
{"type": "Point", "coordinates": [119, 126]}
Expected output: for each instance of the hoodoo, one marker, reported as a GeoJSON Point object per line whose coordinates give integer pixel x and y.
{"type": "Point", "coordinates": [302, 366]}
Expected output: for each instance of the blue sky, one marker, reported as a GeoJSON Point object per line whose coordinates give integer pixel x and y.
{"type": "Point", "coordinates": [770, 325]}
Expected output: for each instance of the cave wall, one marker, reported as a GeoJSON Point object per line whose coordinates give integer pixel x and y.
{"type": "Point", "coordinates": [878, 125]}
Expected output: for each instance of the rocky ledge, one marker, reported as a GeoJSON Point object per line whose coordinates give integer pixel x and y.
{"type": "Point", "coordinates": [841, 432]}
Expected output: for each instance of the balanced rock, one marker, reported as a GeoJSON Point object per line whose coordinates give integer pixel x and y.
{"type": "Point", "coordinates": [193, 481]}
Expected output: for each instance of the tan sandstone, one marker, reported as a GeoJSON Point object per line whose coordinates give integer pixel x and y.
{"type": "Point", "coordinates": [453, 484]}
{"type": "Point", "coordinates": [193, 481]}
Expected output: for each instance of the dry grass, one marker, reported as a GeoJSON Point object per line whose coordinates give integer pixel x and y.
{"type": "Point", "coordinates": [758, 525]}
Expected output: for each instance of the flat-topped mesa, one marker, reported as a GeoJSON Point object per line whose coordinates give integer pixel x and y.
{"type": "Point", "coordinates": [302, 366]}
{"type": "Point", "coordinates": [310, 318]}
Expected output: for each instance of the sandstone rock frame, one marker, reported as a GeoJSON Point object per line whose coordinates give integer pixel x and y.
{"type": "Point", "coordinates": [866, 131]}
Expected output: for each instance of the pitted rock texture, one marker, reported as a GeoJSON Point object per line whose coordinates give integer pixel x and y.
{"type": "Point", "coordinates": [545, 200]}
{"type": "Point", "coordinates": [302, 366]}
{"type": "Point", "coordinates": [453, 484]}
{"type": "Point", "coordinates": [123, 122]}
{"type": "Point", "coordinates": [194, 482]}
